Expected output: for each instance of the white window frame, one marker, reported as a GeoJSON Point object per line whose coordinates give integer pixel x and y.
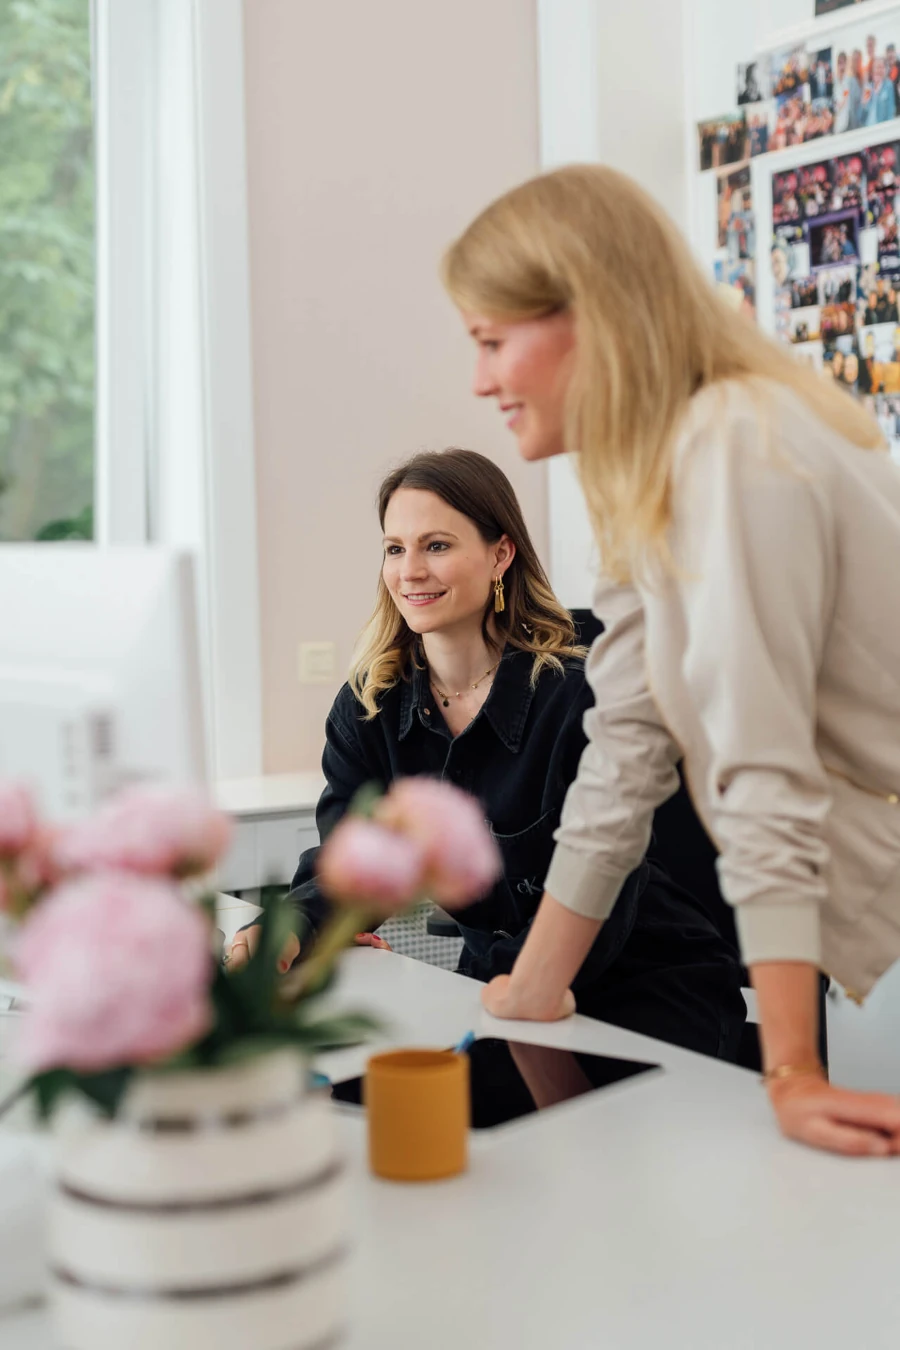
{"type": "Point", "coordinates": [569, 101]}
{"type": "Point", "coordinates": [584, 82]}
{"type": "Point", "coordinates": [174, 416]}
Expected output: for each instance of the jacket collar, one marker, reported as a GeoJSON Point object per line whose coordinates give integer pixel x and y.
{"type": "Point", "coordinates": [506, 708]}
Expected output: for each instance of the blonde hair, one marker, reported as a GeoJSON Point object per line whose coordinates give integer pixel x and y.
{"type": "Point", "coordinates": [650, 332]}
{"type": "Point", "coordinates": [533, 620]}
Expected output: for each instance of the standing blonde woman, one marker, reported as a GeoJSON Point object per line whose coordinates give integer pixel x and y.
{"type": "Point", "coordinates": [748, 520]}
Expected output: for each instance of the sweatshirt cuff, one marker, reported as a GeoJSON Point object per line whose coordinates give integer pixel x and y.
{"type": "Point", "coordinates": [575, 880]}
{"type": "Point", "coordinates": [772, 930]}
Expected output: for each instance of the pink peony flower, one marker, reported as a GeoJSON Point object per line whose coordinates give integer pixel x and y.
{"type": "Point", "coordinates": [18, 819]}
{"type": "Point", "coordinates": [35, 868]}
{"type": "Point", "coordinates": [364, 863]}
{"type": "Point", "coordinates": [24, 878]}
{"type": "Point", "coordinates": [153, 830]}
{"type": "Point", "coordinates": [118, 970]}
{"type": "Point", "coordinates": [427, 839]}
{"type": "Point", "coordinates": [462, 858]}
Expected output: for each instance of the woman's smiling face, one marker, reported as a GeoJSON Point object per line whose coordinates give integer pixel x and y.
{"type": "Point", "coordinates": [437, 568]}
{"type": "Point", "coordinates": [527, 367]}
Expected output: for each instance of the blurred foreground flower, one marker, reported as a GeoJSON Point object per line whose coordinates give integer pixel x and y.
{"type": "Point", "coordinates": [425, 841]}
{"type": "Point", "coordinates": [18, 819]}
{"type": "Point", "coordinates": [118, 973]}
{"type": "Point", "coordinates": [369, 865]}
{"type": "Point", "coordinates": [152, 830]}
{"type": "Point", "coordinates": [104, 923]}
{"type": "Point", "coordinates": [118, 964]}
{"type": "Point", "coordinates": [26, 863]}
{"type": "Point", "coordinates": [462, 861]}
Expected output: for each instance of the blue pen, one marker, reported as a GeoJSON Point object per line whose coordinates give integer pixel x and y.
{"type": "Point", "coordinates": [462, 1046]}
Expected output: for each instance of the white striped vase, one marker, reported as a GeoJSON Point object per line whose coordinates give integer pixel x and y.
{"type": "Point", "coordinates": [209, 1215]}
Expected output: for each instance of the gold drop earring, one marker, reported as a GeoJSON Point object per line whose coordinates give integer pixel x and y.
{"type": "Point", "coordinates": [499, 596]}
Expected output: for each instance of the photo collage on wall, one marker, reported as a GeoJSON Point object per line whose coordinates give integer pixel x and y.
{"type": "Point", "coordinates": [835, 221]}
{"type": "Point", "coordinates": [722, 141]}
{"type": "Point", "coordinates": [836, 270]}
{"type": "Point", "coordinates": [737, 237]}
{"type": "Point", "coordinates": [803, 93]}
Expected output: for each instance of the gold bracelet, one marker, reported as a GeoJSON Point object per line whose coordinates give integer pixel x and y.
{"type": "Point", "coordinates": [791, 1071]}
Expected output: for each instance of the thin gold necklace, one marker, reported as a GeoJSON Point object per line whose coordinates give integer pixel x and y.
{"type": "Point", "coordinates": [445, 698]}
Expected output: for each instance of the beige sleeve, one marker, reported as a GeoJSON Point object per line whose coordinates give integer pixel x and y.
{"type": "Point", "coordinates": [627, 768]}
{"type": "Point", "coordinates": [757, 542]}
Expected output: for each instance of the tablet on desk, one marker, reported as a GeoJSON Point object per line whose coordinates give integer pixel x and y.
{"type": "Point", "coordinates": [513, 1078]}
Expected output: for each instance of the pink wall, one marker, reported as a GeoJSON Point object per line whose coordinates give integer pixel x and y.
{"type": "Point", "coordinates": [374, 132]}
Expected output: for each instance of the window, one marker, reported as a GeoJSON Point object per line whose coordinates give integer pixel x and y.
{"type": "Point", "coordinates": [125, 370]}
{"type": "Point", "coordinates": [46, 271]}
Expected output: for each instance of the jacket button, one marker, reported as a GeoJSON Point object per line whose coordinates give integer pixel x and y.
{"type": "Point", "coordinates": [427, 712]}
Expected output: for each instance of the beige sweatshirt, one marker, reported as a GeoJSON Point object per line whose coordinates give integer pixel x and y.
{"type": "Point", "coordinates": [772, 663]}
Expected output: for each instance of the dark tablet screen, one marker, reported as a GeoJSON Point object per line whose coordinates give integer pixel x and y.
{"type": "Point", "coordinates": [512, 1079]}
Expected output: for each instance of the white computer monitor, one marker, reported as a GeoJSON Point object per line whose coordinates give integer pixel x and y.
{"type": "Point", "coordinates": [99, 671]}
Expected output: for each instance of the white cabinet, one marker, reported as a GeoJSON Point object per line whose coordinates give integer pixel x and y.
{"type": "Point", "coordinates": [275, 821]}
{"type": "Point", "coordinates": [265, 850]}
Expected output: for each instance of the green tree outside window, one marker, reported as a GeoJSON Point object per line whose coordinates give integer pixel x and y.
{"type": "Point", "coordinates": [46, 271]}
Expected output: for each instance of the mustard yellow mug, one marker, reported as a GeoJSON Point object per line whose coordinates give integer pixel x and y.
{"type": "Point", "coordinates": [417, 1103]}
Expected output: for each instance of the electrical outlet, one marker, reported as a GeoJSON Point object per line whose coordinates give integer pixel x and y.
{"type": "Point", "coordinates": [317, 662]}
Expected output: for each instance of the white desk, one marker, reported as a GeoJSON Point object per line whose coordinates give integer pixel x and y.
{"type": "Point", "coordinates": [662, 1213]}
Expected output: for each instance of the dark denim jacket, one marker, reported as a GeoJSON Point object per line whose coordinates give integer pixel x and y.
{"type": "Point", "coordinates": [517, 757]}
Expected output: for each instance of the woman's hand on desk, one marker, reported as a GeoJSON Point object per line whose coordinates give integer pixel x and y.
{"type": "Point", "coordinates": [372, 940]}
{"type": "Point", "coordinates": [503, 998]}
{"type": "Point", "coordinates": [538, 989]}
{"type": "Point", "coordinates": [813, 1112]}
{"type": "Point", "coordinates": [808, 1108]}
{"type": "Point", "coordinates": [244, 945]}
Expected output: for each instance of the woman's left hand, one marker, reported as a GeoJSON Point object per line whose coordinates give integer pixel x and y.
{"type": "Point", "coordinates": [504, 999]}
{"type": "Point", "coordinates": [813, 1112]}
{"type": "Point", "coordinates": [372, 940]}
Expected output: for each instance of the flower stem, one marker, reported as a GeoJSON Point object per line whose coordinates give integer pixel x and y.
{"type": "Point", "coordinates": [310, 976]}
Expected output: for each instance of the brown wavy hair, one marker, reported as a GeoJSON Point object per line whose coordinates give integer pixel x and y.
{"type": "Point", "coordinates": [533, 620]}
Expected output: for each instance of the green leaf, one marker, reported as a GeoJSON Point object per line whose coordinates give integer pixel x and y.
{"type": "Point", "coordinates": [338, 1031]}
{"type": "Point", "coordinates": [239, 1052]}
{"type": "Point", "coordinates": [365, 799]}
{"type": "Point", "coordinates": [258, 980]}
{"type": "Point", "coordinates": [103, 1089]}
{"type": "Point", "coordinates": [207, 903]}
{"type": "Point", "coordinates": [49, 1089]}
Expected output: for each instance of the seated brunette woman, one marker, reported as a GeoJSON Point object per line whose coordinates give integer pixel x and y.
{"type": "Point", "coordinates": [469, 671]}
